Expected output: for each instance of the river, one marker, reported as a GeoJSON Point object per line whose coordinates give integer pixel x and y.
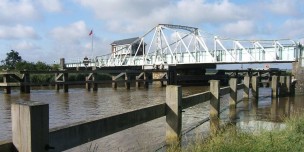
{"type": "Point", "coordinates": [79, 105]}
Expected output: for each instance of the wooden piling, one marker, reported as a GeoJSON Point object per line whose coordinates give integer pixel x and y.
{"type": "Point", "coordinates": [214, 106]}
{"type": "Point", "coordinates": [173, 114]}
{"type": "Point", "coordinates": [30, 126]}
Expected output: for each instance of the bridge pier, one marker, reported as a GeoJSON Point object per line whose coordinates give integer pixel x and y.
{"type": "Point", "coordinates": [25, 88]}
{"type": "Point", "coordinates": [246, 87]}
{"type": "Point", "coordinates": [158, 78]}
{"type": "Point", "coordinates": [255, 86]}
{"type": "Point", "coordinates": [90, 81]}
{"type": "Point", "coordinates": [274, 86]}
{"type": "Point", "coordinates": [7, 79]}
{"type": "Point", "coordinates": [142, 77]}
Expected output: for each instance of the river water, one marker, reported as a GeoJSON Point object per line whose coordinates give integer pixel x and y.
{"type": "Point", "coordinates": [79, 105]}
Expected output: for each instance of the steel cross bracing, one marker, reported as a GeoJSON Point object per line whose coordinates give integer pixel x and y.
{"type": "Point", "coordinates": [168, 44]}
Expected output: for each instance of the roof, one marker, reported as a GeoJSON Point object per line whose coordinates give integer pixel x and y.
{"type": "Point", "coordinates": [125, 41]}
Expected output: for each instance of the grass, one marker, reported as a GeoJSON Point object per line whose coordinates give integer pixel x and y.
{"type": "Point", "coordinates": [291, 138]}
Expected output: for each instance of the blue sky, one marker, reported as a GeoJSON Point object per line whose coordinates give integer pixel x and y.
{"type": "Point", "coordinates": [47, 30]}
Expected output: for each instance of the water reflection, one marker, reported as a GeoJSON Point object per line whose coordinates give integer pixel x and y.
{"type": "Point", "coordinates": [80, 105]}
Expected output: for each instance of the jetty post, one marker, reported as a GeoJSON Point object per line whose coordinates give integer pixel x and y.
{"type": "Point", "coordinates": [214, 105]}
{"type": "Point", "coordinates": [30, 126]}
{"type": "Point", "coordinates": [173, 114]}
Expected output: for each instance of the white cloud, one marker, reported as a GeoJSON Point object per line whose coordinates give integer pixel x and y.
{"type": "Point", "coordinates": [51, 5]}
{"type": "Point", "coordinates": [17, 32]}
{"type": "Point", "coordinates": [133, 16]}
{"type": "Point", "coordinates": [293, 28]}
{"type": "Point", "coordinates": [239, 28]}
{"type": "Point", "coordinates": [71, 33]}
{"type": "Point", "coordinates": [285, 7]}
{"type": "Point", "coordinates": [25, 46]}
{"type": "Point", "coordinates": [16, 11]}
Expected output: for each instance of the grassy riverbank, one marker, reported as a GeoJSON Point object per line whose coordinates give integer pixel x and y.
{"type": "Point", "coordinates": [291, 138]}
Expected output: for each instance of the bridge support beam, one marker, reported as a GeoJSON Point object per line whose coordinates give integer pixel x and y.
{"type": "Point", "coordinates": [157, 78]}
{"type": "Point", "coordinates": [274, 86]}
{"type": "Point", "coordinates": [214, 106]}
{"type": "Point", "coordinates": [233, 98]}
{"type": "Point", "coordinates": [255, 86]}
{"type": "Point", "coordinates": [7, 79]}
{"type": "Point", "coordinates": [246, 87]}
{"type": "Point", "coordinates": [127, 81]}
{"type": "Point", "coordinates": [142, 77]}
{"type": "Point", "coordinates": [65, 80]}
{"type": "Point", "coordinates": [114, 83]}
{"type": "Point", "coordinates": [283, 86]}
{"type": "Point", "coordinates": [25, 88]}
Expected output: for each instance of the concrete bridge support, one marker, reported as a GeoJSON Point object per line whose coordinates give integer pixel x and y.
{"type": "Point", "coordinates": [25, 88]}
{"type": "Point", "coordinates": [246, 87]}
{"type": "Point", "coordinates": [142, 77]}
{"type": "Point", "coordinates": [158, 78]}
{"type": "Point", "coordinates": [90, 82]}
{"type": "Point", "coordinates": [233, 98]}
{"type": "Point", "coordinates": [255, 86]}
{"type": "Point", "coordinates": [7, 79]}
{"type": "Point", "coordinates": [274, 86]}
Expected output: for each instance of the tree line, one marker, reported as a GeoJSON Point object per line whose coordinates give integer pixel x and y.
{"type": "Point", "coordinates": [14, 62]}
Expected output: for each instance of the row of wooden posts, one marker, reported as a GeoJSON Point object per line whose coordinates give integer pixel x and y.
{"type": "Point", "coordinates": [30, 120]}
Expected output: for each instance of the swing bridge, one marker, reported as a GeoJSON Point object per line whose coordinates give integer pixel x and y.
{"type": "Point", "coordinates": [168, 44]}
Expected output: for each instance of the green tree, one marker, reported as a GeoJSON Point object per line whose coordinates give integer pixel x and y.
{"type": "Point", "coordinates": [12, 58]}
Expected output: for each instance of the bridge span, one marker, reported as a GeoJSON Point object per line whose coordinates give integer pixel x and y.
{"type": "Point", "coordinates": [168, 44]}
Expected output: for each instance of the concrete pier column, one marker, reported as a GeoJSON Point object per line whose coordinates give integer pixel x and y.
{"type": "Point", "coordinates": [65, 80]}
{"type": "Point", "coordinates": [173, 114]}
{"type": "Point", "coordinates": [282, 86]}
{"type": "Point", "coordinates": [30, 126]}
{"type": "Point", "coordinates": [114, 83]}
{"type": "Point", "coordinates": [27, 81]}
{"type": "Point", "coordinates": [246, 87]}
{"type": "Point", "coordinates": [7, 79]}
{"type": "Point", "coordinates": [88, 83]}
{"type": "Point", "coordinates": [127, 81]}
{"type": "Point", "coordinates": [214, 106]}
{"type": "Point", "coordinates": [95, 85]}
{"type": "Point", "coordinates": [233, 98]}
{"type": "Point", "coordinates": [156, 77]}
{"type": "Point", "coordinates": [255, 86]}
{"type": "Point", "coordinates": [57, 86]}
{"type": "Point", "coordinates": [274, 86]}
{"type": "Point", "coordinates": [288, 85]}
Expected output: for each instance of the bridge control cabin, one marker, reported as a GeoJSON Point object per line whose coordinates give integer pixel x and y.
{"type": "Point", "coordinates": [130, 46]}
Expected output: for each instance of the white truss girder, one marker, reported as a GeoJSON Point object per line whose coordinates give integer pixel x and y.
{"type": "Point", "coordinates": [176, 44]}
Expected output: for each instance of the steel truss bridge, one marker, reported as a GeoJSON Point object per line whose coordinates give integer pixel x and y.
{"type": "Point", "coordinates": [168, 44]}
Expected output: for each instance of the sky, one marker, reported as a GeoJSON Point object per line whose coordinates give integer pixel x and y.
{"type": "Point", "coordinates": [47, 30]}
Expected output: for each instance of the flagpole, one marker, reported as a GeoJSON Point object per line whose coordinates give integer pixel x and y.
{"type": "Point", "coordinates": [92, 44]}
